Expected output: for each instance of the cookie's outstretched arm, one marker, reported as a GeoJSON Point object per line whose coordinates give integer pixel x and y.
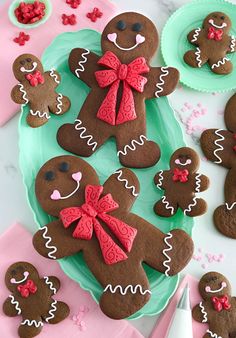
{"type": "Point", "coordinates": [19, 95]}
{"type": "Point", "coordinates": [11, 307]}
{"type": "Point", "coordinates": [194, 36]}
{"type": "Point", "coordinates": [199, 313]}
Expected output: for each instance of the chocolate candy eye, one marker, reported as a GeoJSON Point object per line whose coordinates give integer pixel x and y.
{"type": "Point", "coordinates": [49, 176]}
{"type": "Point", "coordinates": [64, 167]}
{"type": "Point", "coordinates": [13, 272]}
{"type": "Point", "coordinates": [137, 27]}
{"type": "Point", "coordinates": [28, 59]}
{"type": "Point", "coordinates": [222, 17]}
{"type": "Point", "coordinates": [121, 25]}
{"type": "Point", "coordinates": [22, 62]}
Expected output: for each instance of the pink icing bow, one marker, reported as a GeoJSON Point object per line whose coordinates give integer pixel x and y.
{"type": "Point", "coordinates": [35, 78]}
{"type": "Point", "coordinates": [221, 303]}
{"type": "Point", "coordinates": [215, 34]}
{"type": "Point", "coordinates": [130, 77]}
{"type": "Point", "coordinates": [88, 214]}
{"type": "Point", "coordinates": [27, 288]}
{"type": "Point", "coordinates": [180, 175]}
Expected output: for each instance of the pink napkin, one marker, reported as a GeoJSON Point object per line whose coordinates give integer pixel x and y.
{"type": "Point", "coordinates": [40, 38]}
{"type": "Point", "coordinates": [161, 328]}
{"type": "Point", "coordinates": [16, 245]}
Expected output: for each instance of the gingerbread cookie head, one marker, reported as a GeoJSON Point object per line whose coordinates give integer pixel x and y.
{"type": "Point", "coordinates": [218, 20]}
{"type": "Point", "coordinates": [213, 284]}
{"type": "Point", "coordinates": [61, 183]}
{"type": "Point", "coordinates": [130, 35]}
{"type": "Point", "coordinates": [18, 273]}
{"type": "Point", "coordinates": [26, 64]}
{"type": "Point", "coordinates": [185, 158]}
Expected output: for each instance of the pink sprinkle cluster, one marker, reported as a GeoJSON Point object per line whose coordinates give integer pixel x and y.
{"type": "Point", "coordinates": [208, 257]}
{"type": "Point", "coordinates": [78, 319]}
{"type": "Point", "coordinates": [195, 114]}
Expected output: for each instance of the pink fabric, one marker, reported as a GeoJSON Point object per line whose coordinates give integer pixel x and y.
{"type": "Point", "coordinates": [16, 245]}
{"type": "Point", "coordinates": [161, 328]}
{"type": "Point", "coordinates": [40, 38]}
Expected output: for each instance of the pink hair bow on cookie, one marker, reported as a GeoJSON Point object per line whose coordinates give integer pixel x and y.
{"type": "Point", "coordinates": [88, 214]}
{"type": "Point", "coordinates": [131, 78]}
{"type": "Point", "coordinates": [221, 303]}
{"type": "Point", "coordinates": [215, 34]}
{"type": "Point", "coordinates": [35, 78]}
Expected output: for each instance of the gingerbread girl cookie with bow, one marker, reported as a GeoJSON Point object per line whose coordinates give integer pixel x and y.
{"type": "Point", "coordinates": [96, 220]}
{"type": "Point", "coordinates": [218, 308]}
{"type": "Point", "coordinates": [120, 81]}
{"type": "Point", "coordinates": [37, 88]}
{"type": "Point", "coordinates": [212, 44]}
{"type": "Point", "coordinates": [31, 298]}
{"type": "Point", "coordinates": [181, 183]}
{"type": "Point", "coordinates": [219, 146]}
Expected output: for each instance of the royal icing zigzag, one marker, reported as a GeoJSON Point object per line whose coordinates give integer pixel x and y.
{"type": "Point", "coordinates": [198, 183]}
{"type": "Point", "coordinates": [16, 304]}
{"type": "Point", "coordinates": [59, 105]}
{"type": "Point", "coordinates": [195, 35]}
{"type": "Point", "coordinates": [213, 335]}
{"type": "Point", "coordinates": [230, 207]}
{"type": "Point", "coordinates": [159, 184]}
{"type": "Point", "coordinates": [82, 131]}
{"type": "Point", "coordinates": [167, 205]}
{"type": "Point", "coordinates": [51, 311]}
{"type": "Point", "coordinates": [127, 186]}
{"type": "Point", "coordinates": [191, 205]}
{"type": "Point", "coordinates": [50, 284]}
{"type": "Point", "coordinates": [130, 288]}
{"type": "Point", "coordinates": [54, 76]}
{"type": "Point", "coordinates": [40, 114]}
{"type": "Point", "coordinates": [203, 312]}
{"type": "Point", "coordinates": [132, 146]}
{"type": "Point", "coordinates": [48, 239]}
{"type": "Point", "coordinates": [220, 147]}
{"type": "Point", "coordinates": [232, 44]}
{"type": "Point", "coordinates": [198, 57]}
{"type": "Point", "coordinates": [165, 253]}
{"type": "Point", "coordinates": [220, 63]}
{"type": "Point", "coordinates": [160, 84]}
{"type": "Point", "coordinates": [82, 62]}
{"type": "Point", "coordinates": [23, 91]}
{"type": "Point", "coordinates": [32, 323]}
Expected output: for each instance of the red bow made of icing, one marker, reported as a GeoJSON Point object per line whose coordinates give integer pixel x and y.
{"type": "Point", "coordinates": [130, 77]}
{"type": "Point", "coordinates": [215, 34]}
{"type": "Point", "coordinates": [35, 78]}
{"type": "Point", "coordinates": [221, 303]}
{"type": "Point", "coordinates": [27, 288]}
{"type": "Point", "coordinates": [180, 175]}
{"type": "Point", "coordinates": [88, 214]}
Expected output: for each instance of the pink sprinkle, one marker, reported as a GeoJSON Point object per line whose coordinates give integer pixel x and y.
{"type": "Point", "coordinates": [199, 105]}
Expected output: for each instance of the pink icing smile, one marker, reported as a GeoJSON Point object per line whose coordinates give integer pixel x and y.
{"type": "Point", "coordinates": [113, 37]}
{"type": "Point", "coordinates": [56, 195]}
{"type": "Point", "coordinates": [13, 281]}
{"type": "Point", "coordinates": [177, 161]}
{"type": "Point", "coordinates": [208, 288]}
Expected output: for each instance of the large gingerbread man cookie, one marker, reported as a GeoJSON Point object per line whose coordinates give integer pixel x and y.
{"type": "Point", "coordinates": [181, 183]}
{"type": "Point", "coordinates": [96, 220]}
{"type": "Point", "coordinates": [120, 81]}
{"type": "Point", "coordinates": [212, 44]}
{"type": "Point", "coordinates": [218, 308]}
{"type": "Point", "coordinates": [37, 88]}
{"type": "Point", "coordinates": [31, 298]}
{"type": "Point", "coordinates": [219, 146]}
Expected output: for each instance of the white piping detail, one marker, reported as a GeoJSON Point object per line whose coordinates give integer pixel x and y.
{"type": "Point", "coordinates": [67, 196]}
{"type": "Point", "coordinates": [198, 57]}
{"type": "Point", "coordinates": [198, 183]}
{"type": "Point", "coordinates": [49, 239]}
{"type": "Point", "coordinates": [211, 22]}
{"type": "Point", "coordinates": [220, 63]}
{"type": "Point", "coordinates": [123, 291]}
{"type": "Point", "coordinates": [23, 70]}
{"type": "Point", "coordinates": [191, 205]}
{"type": "Point", "coordinates": [54, 76]}
{"type": "Point", "coordinates": [32, 322]}
{"type": "Point", "coordinates": [80, 63]}
{"type": "Point", "coordinates": [220, 147]}
{"type": "Point", "coordinates": [230, 207]}
{"type": "Point", "coordinates": [127, 186]}
{"type": "Point", "coordinates": [203, 312]}
{"type": "Point", "coordinates": [50, 284]}
{"type": "Point", "coordinates": [53, 309]}
{"type": "Point", "coordinates": [208, 288]}
{"type": "Point", "coordinates": [59, 98]}
{"type": "Point", "coordinates": [23, 91]}
{"type": "Point", "coordinates": [232, 43]}
{"type": "Point", "coordinates": [82, 131]}
{"type": "Point", "coordinates": [160, 84]}
{"type": "Point", "coordinates": [167, 205]}
{"type": "Point", "coordinates": [159, 184]}
{"type": "Point", "coordinates": [213, 335]}
{"type": "Point", "coordinates": [169, 248]}
{"type": "Point", "coordinates": [40, 114]}
{"type": "Point", "coordinates": [132, 145]}
{"type": "Point", "coordinates": [195, 35]}
{"type": "Point", "coordinates": [16, 303]}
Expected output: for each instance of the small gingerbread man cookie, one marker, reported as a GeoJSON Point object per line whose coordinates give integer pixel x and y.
{"type": "Point", "coordinates": [181, 183]}
{"type": "Point", "coordinates": [212, 44]}
{"type": "Point", "coordinates": [218, 307]}
{"type": "Point", "coordinates": [37, 88]}
{"type": "Point", "coordinates": [31, 298]}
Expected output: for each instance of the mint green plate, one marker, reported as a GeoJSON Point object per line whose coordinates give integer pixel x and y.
{"type": "Point", "coordinates": [174, 44]}
{"type": "Point", "coordinates": [39, 145]}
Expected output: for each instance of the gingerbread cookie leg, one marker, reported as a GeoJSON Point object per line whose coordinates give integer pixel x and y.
{"type": "Point", "coordinates": [38, 115]}
{"type": "Point", "coordinates": [57, 312]}
{"type": "Point", "coordinates": [166, 206]}
{"type": "Point", "coordinates": [195, 58]}
{"type": "Point", "coordinates": [59, 105]}
{"type": "Point", "coordinates": [221, 331]}
{"type": "Point", "coordinates": [30, 327]}
{"type": "Point", "coordinates": [195, 207]}
{"type": "Point", "coordinates": [221, 65]}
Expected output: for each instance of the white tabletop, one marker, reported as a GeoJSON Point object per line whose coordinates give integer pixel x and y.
{"type": "Point", "coordinates": [14, 207]}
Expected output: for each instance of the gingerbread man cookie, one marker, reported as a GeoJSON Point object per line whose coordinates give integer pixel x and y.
{"type": "Point", "coordinates": [181, 183]}
{"type": "Point", "coordinates": [31, 298]}
{"type": "Point", "coordinates": [212, 44]}
{"type": "Point", "coordinates": [96, 220]}
{"type": "Point", "coordinates": [37, 88]}
{"type": "Point", "coordinates": [219, 146]}
{"type": "Point", "coordinates": [120, 81]}
{"type": "Point", "coordinates": [218, 307]}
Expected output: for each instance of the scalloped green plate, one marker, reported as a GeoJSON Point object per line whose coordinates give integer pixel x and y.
{"type": "Point", "coordinates": [39, 145]}
{"type": "Point", "coordinates": [174, 44]}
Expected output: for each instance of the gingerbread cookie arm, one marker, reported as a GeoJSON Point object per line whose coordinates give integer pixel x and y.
{"type": "Point", "coordinates": [194, 36]}
{"type": "Point", "coordinates": [19, 94]}
{"type": "Point", "coordinates": [199, 313]}
{"type": "Point", "coordinates": [201, 182]}
{"type": "Point", "coordinates": [230, 114]}
{"type": "Point", "coordinates": [232, 44]}
{"type": "Point", "coordinates": [11, 307]}
{"type": "Point", "coordinates": [53, 77]}
{"type": "Point", "coordinates": [52, 283]}
{"type": "Point", "coordinates": [83, 64]}
{"type": "Point", "coordinates": [161, 82]}
{"type": "Point", "coordinates": [160, 179]}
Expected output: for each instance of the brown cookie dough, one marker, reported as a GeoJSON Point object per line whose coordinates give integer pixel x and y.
{"type": "Point", "coordinates": [31, 298]}
{"type": "Point", "coordinates": [181, 183]}
{"type": "Point", "coordinates": [212, 44]}
{"type": "Point", "coordinates": [219, 146]}
{"type": "Point", "coordinates": [37, 88]}
{"type": "Point", "coordinates": [218, 308]}
{"type": "Point", "coordinates": [120, 81]}
{"type": "Point", "coordinates": [96, 220]}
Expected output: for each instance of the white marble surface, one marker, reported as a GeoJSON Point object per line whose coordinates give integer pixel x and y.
{"type": "Point", "coordinates": [14, 207]}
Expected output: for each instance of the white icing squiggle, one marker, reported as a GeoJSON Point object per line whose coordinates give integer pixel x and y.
{"type": "Point", "coordinates": [232, 43]}
{"type": "Point", "coordinates": [220, 147]}
{"type": "Point", "coordinates": [198, 183]}
{"type": "Point", "coordinates": [50, 284]}
{"type": "Point", "coordinates": [190, 206]}
{"type": "Point", "coordinates": [198, 57]}
{"type": "Point", "coordinates": [127, 186]}
{"type": "Point", "coordinates": [167, 205]}
{"type": "Point", "coordinates": [59, 105]}
{"type": "Point", "coordinates": [195, 35]}
{"type": "Point", "coordinates": [16, 304]}
{"type": "Point", "coordinates": [51, 311]}
{"type": "Point", "coordinates": [220, 63]}
{"type": "Point", "coordinates": [230, 207]}
{"type": "Point", "coordinates": [159, 184]}
{"type": "Point", "coordinates": [23, 91]}
{"type": "Point", "coordinates": [160, 84]}
{"type": "Point", "coordinates": [32, 323]}
{"type": "Point", "coordinates": [165, 253]}
{"type": "Point", "coordinates": [81, 63]}
{"type": "Point", "coordinates": [131, 288]}
{"type": "Point", "coordinates": [212, 334]}
{"type": "Point", "coordinates": [203, 312]}
{"type": "Point", "coordinates": [82, 131]}
{"type": "Point", "coordinates": [48, 239]}
{"type": "Point", "coordinates": [132, 146]}
{"type": "Point", "coordinates": [40, 114]}
{"type": "Point", "coordinates": [54, 76]}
